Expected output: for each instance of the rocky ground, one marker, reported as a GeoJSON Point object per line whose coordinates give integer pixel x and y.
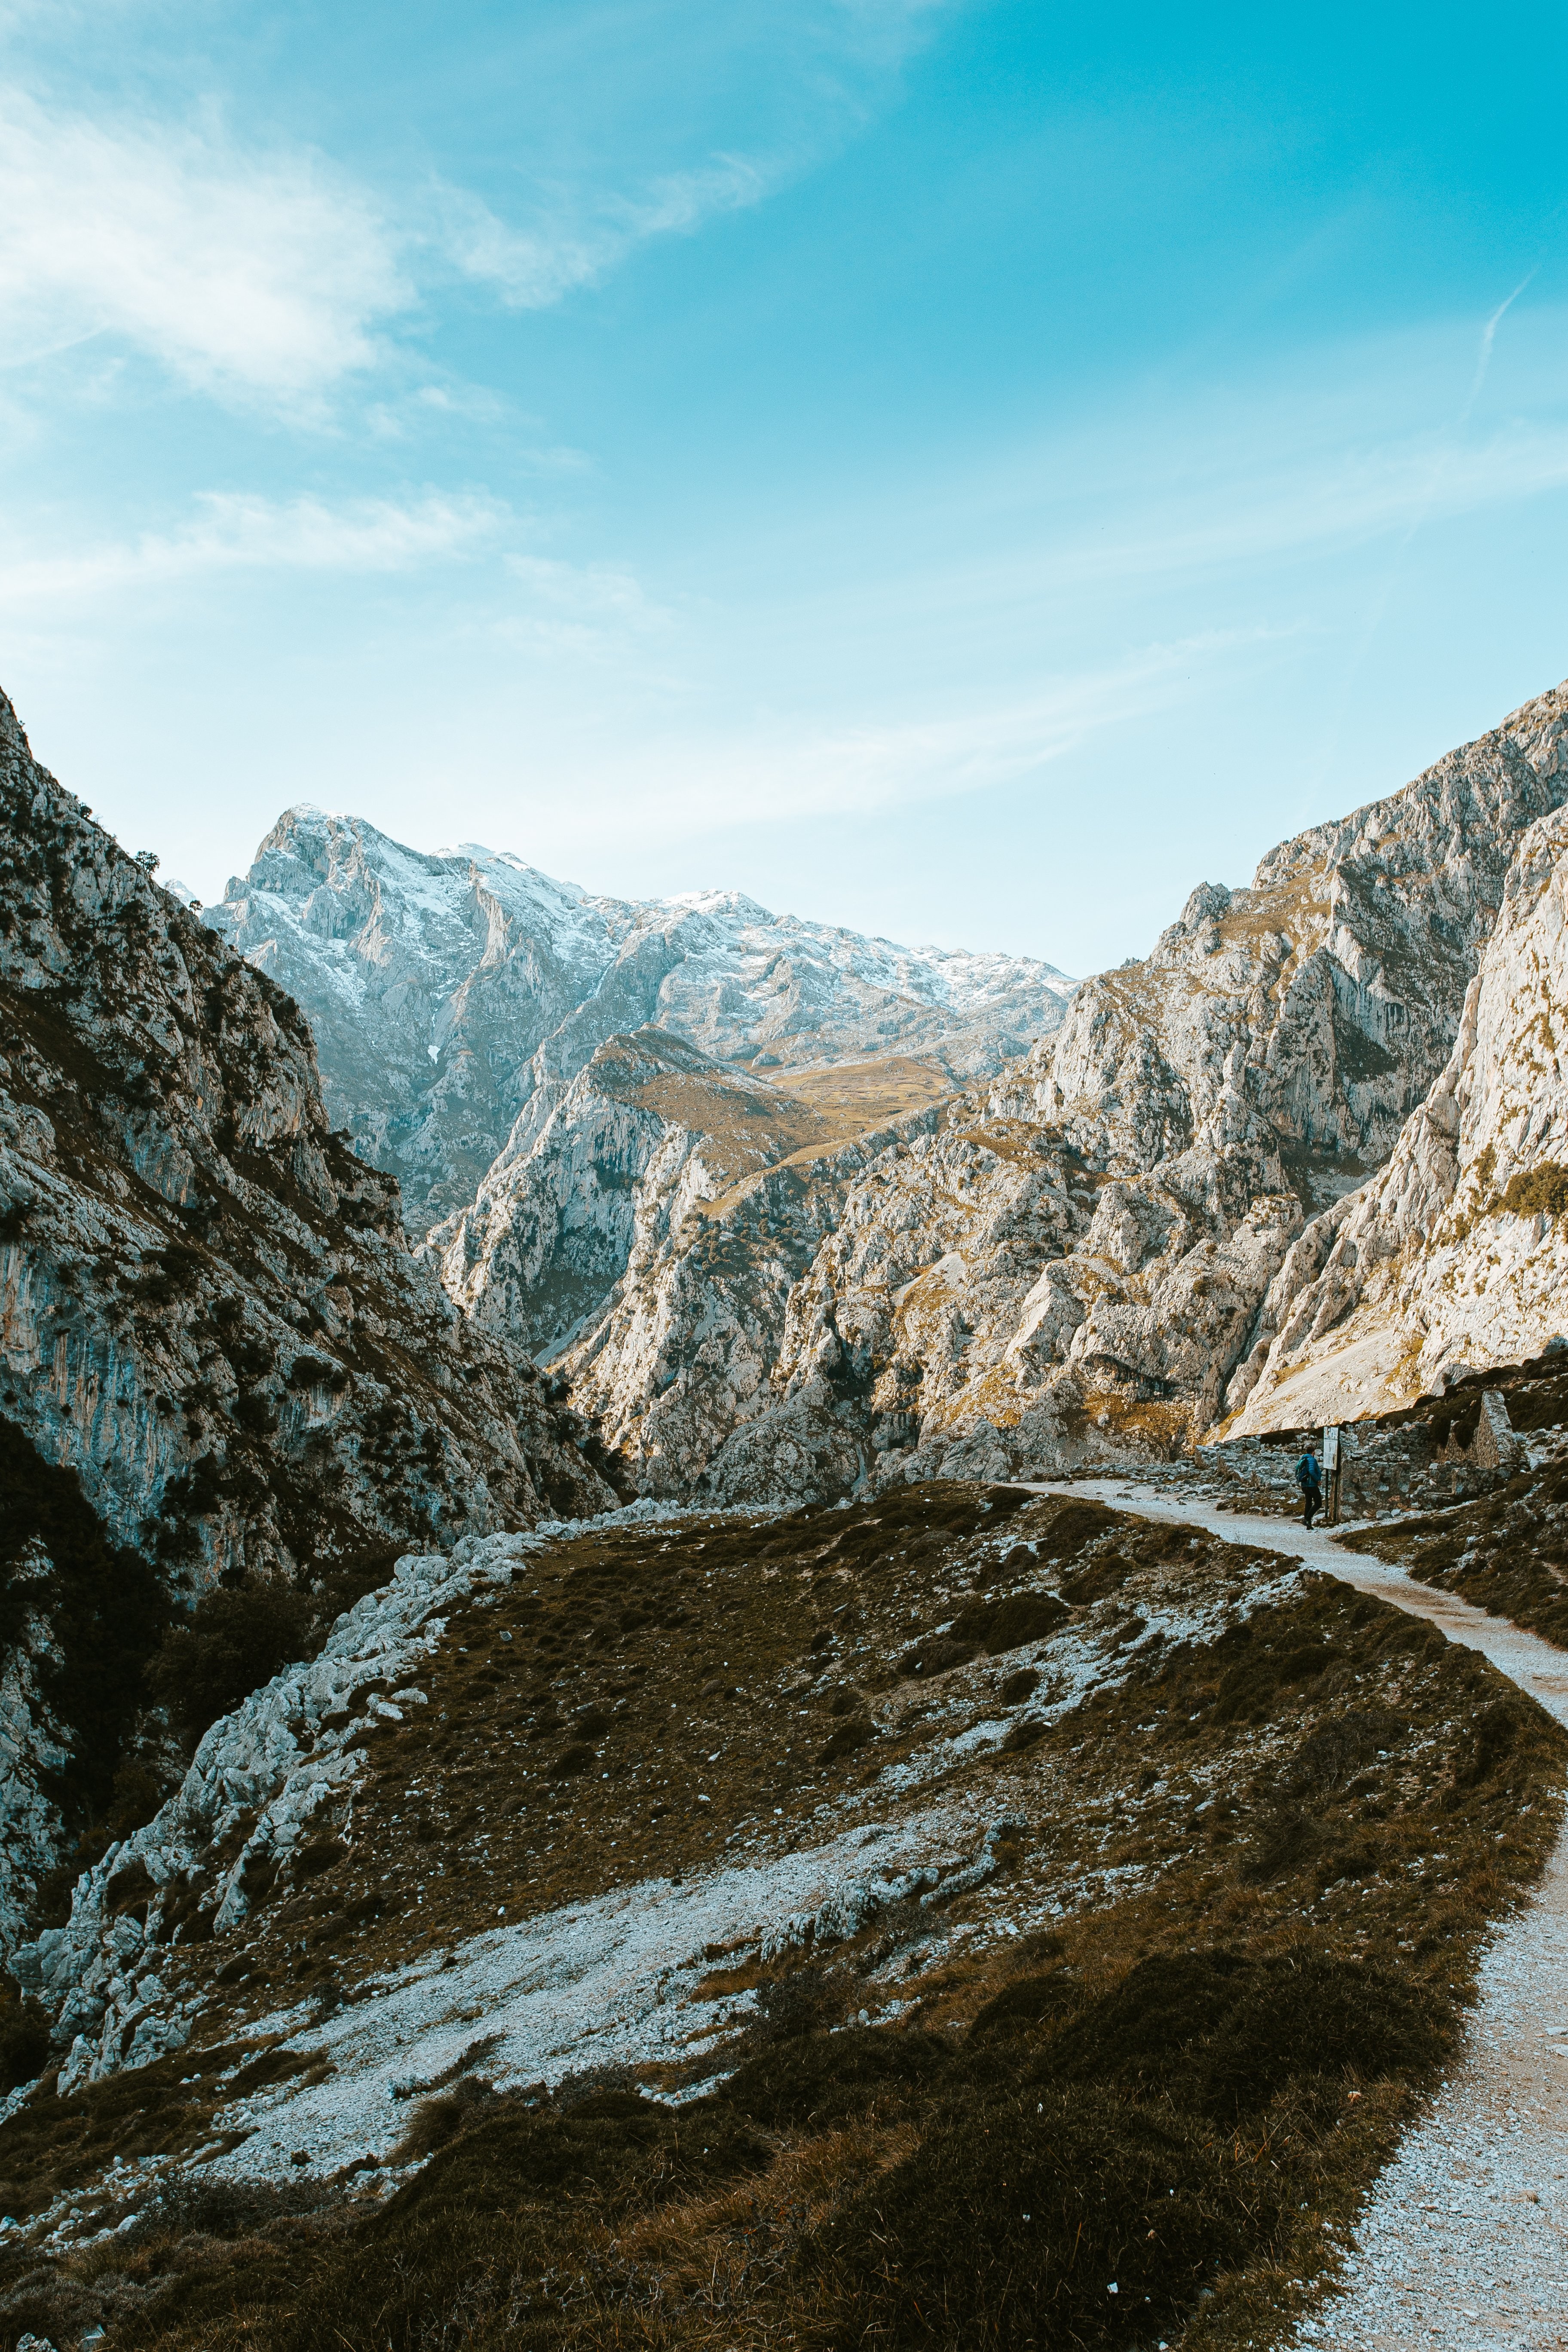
{"type": "Point", "coordinates": [773, 1882]}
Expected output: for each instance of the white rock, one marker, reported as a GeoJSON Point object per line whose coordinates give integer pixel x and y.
{"type": "Point", "coordinates": [1429, 1267]}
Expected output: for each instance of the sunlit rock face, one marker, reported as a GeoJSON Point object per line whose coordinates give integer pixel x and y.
{"type": "Point", "coordinates": [1073, 1261]}
{"type": "Point", "coordinates": [1457, 1253]}
{"type": "Point", "coordinates": [451, 993]}
{"type": "Point", "coordinates": [208, 1308]}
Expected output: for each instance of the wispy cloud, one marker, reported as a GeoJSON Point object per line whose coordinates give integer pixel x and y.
{"type": "Point", "coordinates": [271, 273]}
{"type": "Point", "coordinates": [782, 772]}
{"type": "Point", "coordinates": [231, 533]}
{"type": "Point", "coordinates": [258, 273]}
{"type": "Point", "coordinates": [1211, 489]}
{"type": "Point", "coordinates": [571, 244]}
{"type": "Point", "coordinates": [274, 276]}
{"type": "Point", "coordinates": [598, 596]}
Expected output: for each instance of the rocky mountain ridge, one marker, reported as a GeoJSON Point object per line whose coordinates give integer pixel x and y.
{"type": "Point", "coordinates": [209, 1314]}
{"type": "Point", "coordinates": [452, 993]}
{"type": "Point", "coordinates": [1073, 1260]}
{"type": "Point", "coordinates": [1456, 1253]}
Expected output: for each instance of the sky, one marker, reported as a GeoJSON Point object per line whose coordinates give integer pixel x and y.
{"type": "Point", "coordinates": [963, 469]}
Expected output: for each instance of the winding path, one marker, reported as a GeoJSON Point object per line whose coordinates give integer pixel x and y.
{"type": "Point", "coordinates": [1464, 2242]}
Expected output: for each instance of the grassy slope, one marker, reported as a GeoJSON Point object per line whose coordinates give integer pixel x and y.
{"type": "Point", "coordinates": [1507, 1553]}
{"type": "Point", "coordinates": [1241, 1897]}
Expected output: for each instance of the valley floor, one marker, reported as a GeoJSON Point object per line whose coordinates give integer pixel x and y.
{"type": "Point", "coordinates": [1464, 2243]}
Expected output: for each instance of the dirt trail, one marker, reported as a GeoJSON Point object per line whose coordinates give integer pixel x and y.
{"type": "Point", "coordinates": [1464, 2243]}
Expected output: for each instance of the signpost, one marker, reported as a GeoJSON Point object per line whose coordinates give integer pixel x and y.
{"type": "Point", "coordinates": [1331, 1474]}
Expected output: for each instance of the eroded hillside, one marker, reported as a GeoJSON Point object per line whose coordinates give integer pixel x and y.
{"type": "Point", "coordinates": [1088, 1247]}
{"type": "Point", "coordinates": [754, 1929]}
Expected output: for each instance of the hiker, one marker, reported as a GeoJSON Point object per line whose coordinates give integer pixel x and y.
{"type": "Point", "coordinates": [1310, 1479]}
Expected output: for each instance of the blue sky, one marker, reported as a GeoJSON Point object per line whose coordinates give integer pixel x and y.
{"type": "Point", "coordinates": [967, 470]}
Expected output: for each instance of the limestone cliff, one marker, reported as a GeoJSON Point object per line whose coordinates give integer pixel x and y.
{"type": "Point", "coordinates": [207, 1305]}
{"type": "Point", "coordinates": [1078, 1256]}
{"type": "Point", "coordinates": [1456, 1253]}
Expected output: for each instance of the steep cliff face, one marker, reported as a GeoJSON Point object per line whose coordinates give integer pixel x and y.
{"type": "Point", "coordinates": [450, 994]}
{"type": "Point", "coordinates": [207, 1305]}
{"type": "Point", "coordinates": [646, 1133]}
{"type": "Point", "coordinates": [1079, 1256]}
{"type": "Point", "coordinates": [1458, 1251]}
{"type": "Point", "coordinates": [687, 1348]}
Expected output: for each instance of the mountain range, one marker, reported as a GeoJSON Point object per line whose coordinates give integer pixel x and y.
{"type": "Point", "coordinates": [390, 1691]}
{"type": "Point", "coordinates": [781, 1204]}
{"type": "Point", "coordinates": [452, 993]}
{"type": "Point", "coordinates": [712, 1205]}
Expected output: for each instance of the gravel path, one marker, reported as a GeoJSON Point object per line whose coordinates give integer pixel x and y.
{"type": "Point", "coordinates": [1464, 2242]}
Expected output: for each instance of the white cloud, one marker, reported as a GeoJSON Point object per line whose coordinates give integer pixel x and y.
{"type": "Point", "coordinates": [233, 533]}
{"type": "Point", "coordinates": [782, 772]}
{"type": "Point", "coordinates": [261, 274]}
{"type": "Point", "coordinates": [599, 592]}
{"type": "Point", "coordinates": [533, 267]}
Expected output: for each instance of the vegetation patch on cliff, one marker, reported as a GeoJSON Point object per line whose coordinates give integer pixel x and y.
{"type": "Point", "coordinates": [100, 1609]}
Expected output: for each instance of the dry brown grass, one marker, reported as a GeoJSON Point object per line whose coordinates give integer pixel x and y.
{"type": "Point", "coordinates": [1326, 1796]}
{"type": "Point", "coordinates": [851, 1097]}
{"type": "Point", "coordinates": [1507, 1553]}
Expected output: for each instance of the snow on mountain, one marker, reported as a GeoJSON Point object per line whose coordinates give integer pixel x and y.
{"type": "Point", "coordinates": [445, 991]}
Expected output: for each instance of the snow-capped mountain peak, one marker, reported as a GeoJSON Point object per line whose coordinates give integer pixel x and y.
{"type": "Point", "coordinates": [445, 987]}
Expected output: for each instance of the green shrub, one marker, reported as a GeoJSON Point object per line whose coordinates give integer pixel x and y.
{"type": "Point", "coordinates": [998, 1626]}
{"type": "Point", "coordinates": [823, 2080]}
{"type": "Point", "coordinates": [238, 1636]}
{"type": "Point", "coordinates": [23, 2041]}
{"type": "Point", "coordinates": [1541, 1191]}
{"type": "Point", "coordinates": [1046, 2218]}
{"type": "Point", "coordinates": [237, 1640]}
{"type": "Point", "coordinates": [105, 1609]}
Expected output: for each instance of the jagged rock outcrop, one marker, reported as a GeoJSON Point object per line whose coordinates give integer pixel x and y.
{"type": "Point", "coordinates": [447, 992]}
{"type": "Point", "coordinates": [244, 1810]}
{"type": "Point", "coordinates": [1079, 1256]}
{"type": "Point", "coordinates": [649, 1146]}
{"type": "Point", "coordinates": [1457, 1253]}
{"type": "Point", "coordinates": [688, 1344]}
{"type": "Point", "coordinates": [645, 1136]}
{"type": "Point", "coordinates": [208, 1308]}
